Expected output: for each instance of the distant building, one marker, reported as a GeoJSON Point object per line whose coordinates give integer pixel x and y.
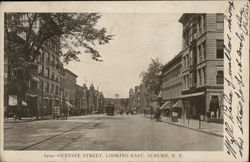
{"type": "Point", "coordinates": [70, 90]}
{"type": "Point", "coordinates": [91, 99]}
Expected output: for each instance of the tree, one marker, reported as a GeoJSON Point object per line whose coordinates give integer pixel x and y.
{"type": "Point", "coordinates": [27, 33]}
{"type": "Point", "coordinates": [151, 78]}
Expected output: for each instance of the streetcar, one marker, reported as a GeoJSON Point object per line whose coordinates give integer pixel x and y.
{"type": "Point", "coordinates": [110, 109]}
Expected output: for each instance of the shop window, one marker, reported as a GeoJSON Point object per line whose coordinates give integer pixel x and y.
{"type": "Point", "coordinates": [219, 77]}
{"type": "Point", "coordinates": [214, 104]}
{"type": "Point", "coordinates": [219, 48]}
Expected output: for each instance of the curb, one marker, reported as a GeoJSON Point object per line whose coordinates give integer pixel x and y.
{"type": "Point", "coordinates": [24, 121]}
{"type": "Point", "coordinates": [198, 130]}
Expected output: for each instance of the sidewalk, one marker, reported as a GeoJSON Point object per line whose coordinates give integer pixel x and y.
{"type": "Point", "coordinates": [27, 119]}
{"type": "Point", "coordinates": [205, 127]}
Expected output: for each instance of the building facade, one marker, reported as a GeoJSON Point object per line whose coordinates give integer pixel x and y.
{"type": "Point", "coordinates": [172, 85]}
{"type": "Point", "coordinates": [48, 70]}
{"type": "Point", "coordinates": [202, 62]}
{"type": "Point", "coordinates": [69, 91]}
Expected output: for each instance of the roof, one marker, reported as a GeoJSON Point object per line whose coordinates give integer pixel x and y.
{"type": "Point", "coordinates": [70, 72]}
{"type": "Point", "coordinates": [172, 61]}
{"type": "Point", "coordinates": [184, 17]}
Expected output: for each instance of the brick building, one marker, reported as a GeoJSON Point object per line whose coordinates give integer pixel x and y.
{"type": "Point", "coordinates": [172, 84]}
{"type": "Point", "coordinates": [69, 92]}
{"type": "Point", "coordinates": [49, 69]}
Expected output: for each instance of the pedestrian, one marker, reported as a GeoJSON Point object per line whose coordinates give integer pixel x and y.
{"type": "Point", "coordinates": [15, 117]}
{"type": "Point", "coordinates": [5, 114]}
{"type": "Point", "coordinates": [151, 112]}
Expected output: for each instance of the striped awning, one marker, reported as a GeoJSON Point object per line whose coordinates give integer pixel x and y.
{"type": "Point", "coordinates": [69, 104]}
{"type": "Point", "coordinates": [159, 95]}
{"type": "Point", "coordinates": [166, 105]}
{"type": "Point", "coordinates": [13, 101]}
{"type": "Point", "coordinates": [178, 104]}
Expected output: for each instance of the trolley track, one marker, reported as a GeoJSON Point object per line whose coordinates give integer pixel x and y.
{"type": "Point", "coordinates": [59, 134]}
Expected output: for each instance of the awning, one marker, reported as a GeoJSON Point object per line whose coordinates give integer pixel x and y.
{"type": "Point", "coordinates": [36, 79]}
{"type": "Point", "coordinates": [159, 95]}
{"type": "Point", "coordinates": [166, 105]}
{"type": "Point", "coordinates": [31, 95]}
{"type": "Point", "coordinates": [192, 95]}
{"type": "Point", "coordinates": [69, 104]}
{"type": "Point", "coordinates": [178, 104]}
{"type": "Point", "coordinates": [13, 101]}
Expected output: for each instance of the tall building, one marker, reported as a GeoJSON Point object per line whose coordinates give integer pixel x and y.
{"type": "Point", "coordinates": [70, 90]}
{"type": "Point", "coordinates": [43, 86]}
{"type": "Point", "coordinates": [202, 62]}
{"type": "Point", "coordinates": [49, 70]}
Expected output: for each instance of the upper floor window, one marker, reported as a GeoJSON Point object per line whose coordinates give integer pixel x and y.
{"type": "Point", "coordinates": [204, 21]}
{"type": "Point", "coordinates": [220, 77]}
{"type": "Point", "coordinates": [204, 49]}
{"type": "Point", "coordinates": [52, 88]}
{"type": "Point", "coordinates": [219, 17]}
{"type": "Point", "coordinates": [219, 48]}
{"type": "Point", "coordinates": [46, 72]}
{"type": "Point", "coordinates": [200, 53]}
{"type": "Point", "coordinates": [47, 87]}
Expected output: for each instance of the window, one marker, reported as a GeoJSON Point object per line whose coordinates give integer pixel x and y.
{"type": "Point", "coordinates": [219, 26]}
{"type": "Point", "coordinates": [33, 85]}
{"type": "Point", "coordinates": [219, 48]}
{"type": "Point", "coordinates": [45, 57]}
{"type": "Point", "coordinates": [204, 21]}
{"type": "Point", "coordinates": [46, 72]}
{"type": "Point", "coordinates": [204, 75]}
{"type": "Point", "coordinates": [52, 89]}
{"type": "Point", "coordinates": [199, 74]}
{"type": "Point", "coordinates": [57, 90]}
{"type": "Point", "coordinates": [52, 76]}
{"type": "Point", "coordinates": [41, 87]}
{"type": "Point", "coordinates": [219, 17]}
{"type": "Point", "coordinates": [200, 53]}
{"type": "Point", "coordinates": [47, 87]}
{"type": "Point", "coordinates": [219, 77]}
{"type": "Point", "coordinates": [53, 60]}
{"type": "Point", "coordinates": [39, 69]}
{"type": "Point", "coordinates": [48, 59]}
{"type": "Point", "coordinates": [184, 61]}
{"type": "Point", "coordinates": [204, 49]}
{"type": "Point", "coordinates": [199, 24]}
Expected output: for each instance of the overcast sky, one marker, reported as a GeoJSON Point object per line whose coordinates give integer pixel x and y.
{"type": "Point", "coordinates": [139, 37]}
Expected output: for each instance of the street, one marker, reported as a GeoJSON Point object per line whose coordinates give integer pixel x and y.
{"type": "Point", "coordinates": [101, 132]}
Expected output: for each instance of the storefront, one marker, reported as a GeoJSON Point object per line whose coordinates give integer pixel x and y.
{"type": "Point", "coordinates": [194, 105]}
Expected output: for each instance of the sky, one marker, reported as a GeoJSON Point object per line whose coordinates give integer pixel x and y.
{"type": "Point", "coordinates": [139, 37]}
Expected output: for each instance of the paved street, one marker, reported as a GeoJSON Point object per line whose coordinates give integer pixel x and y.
{"type": "Point", "coordinates": [101, 132]}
